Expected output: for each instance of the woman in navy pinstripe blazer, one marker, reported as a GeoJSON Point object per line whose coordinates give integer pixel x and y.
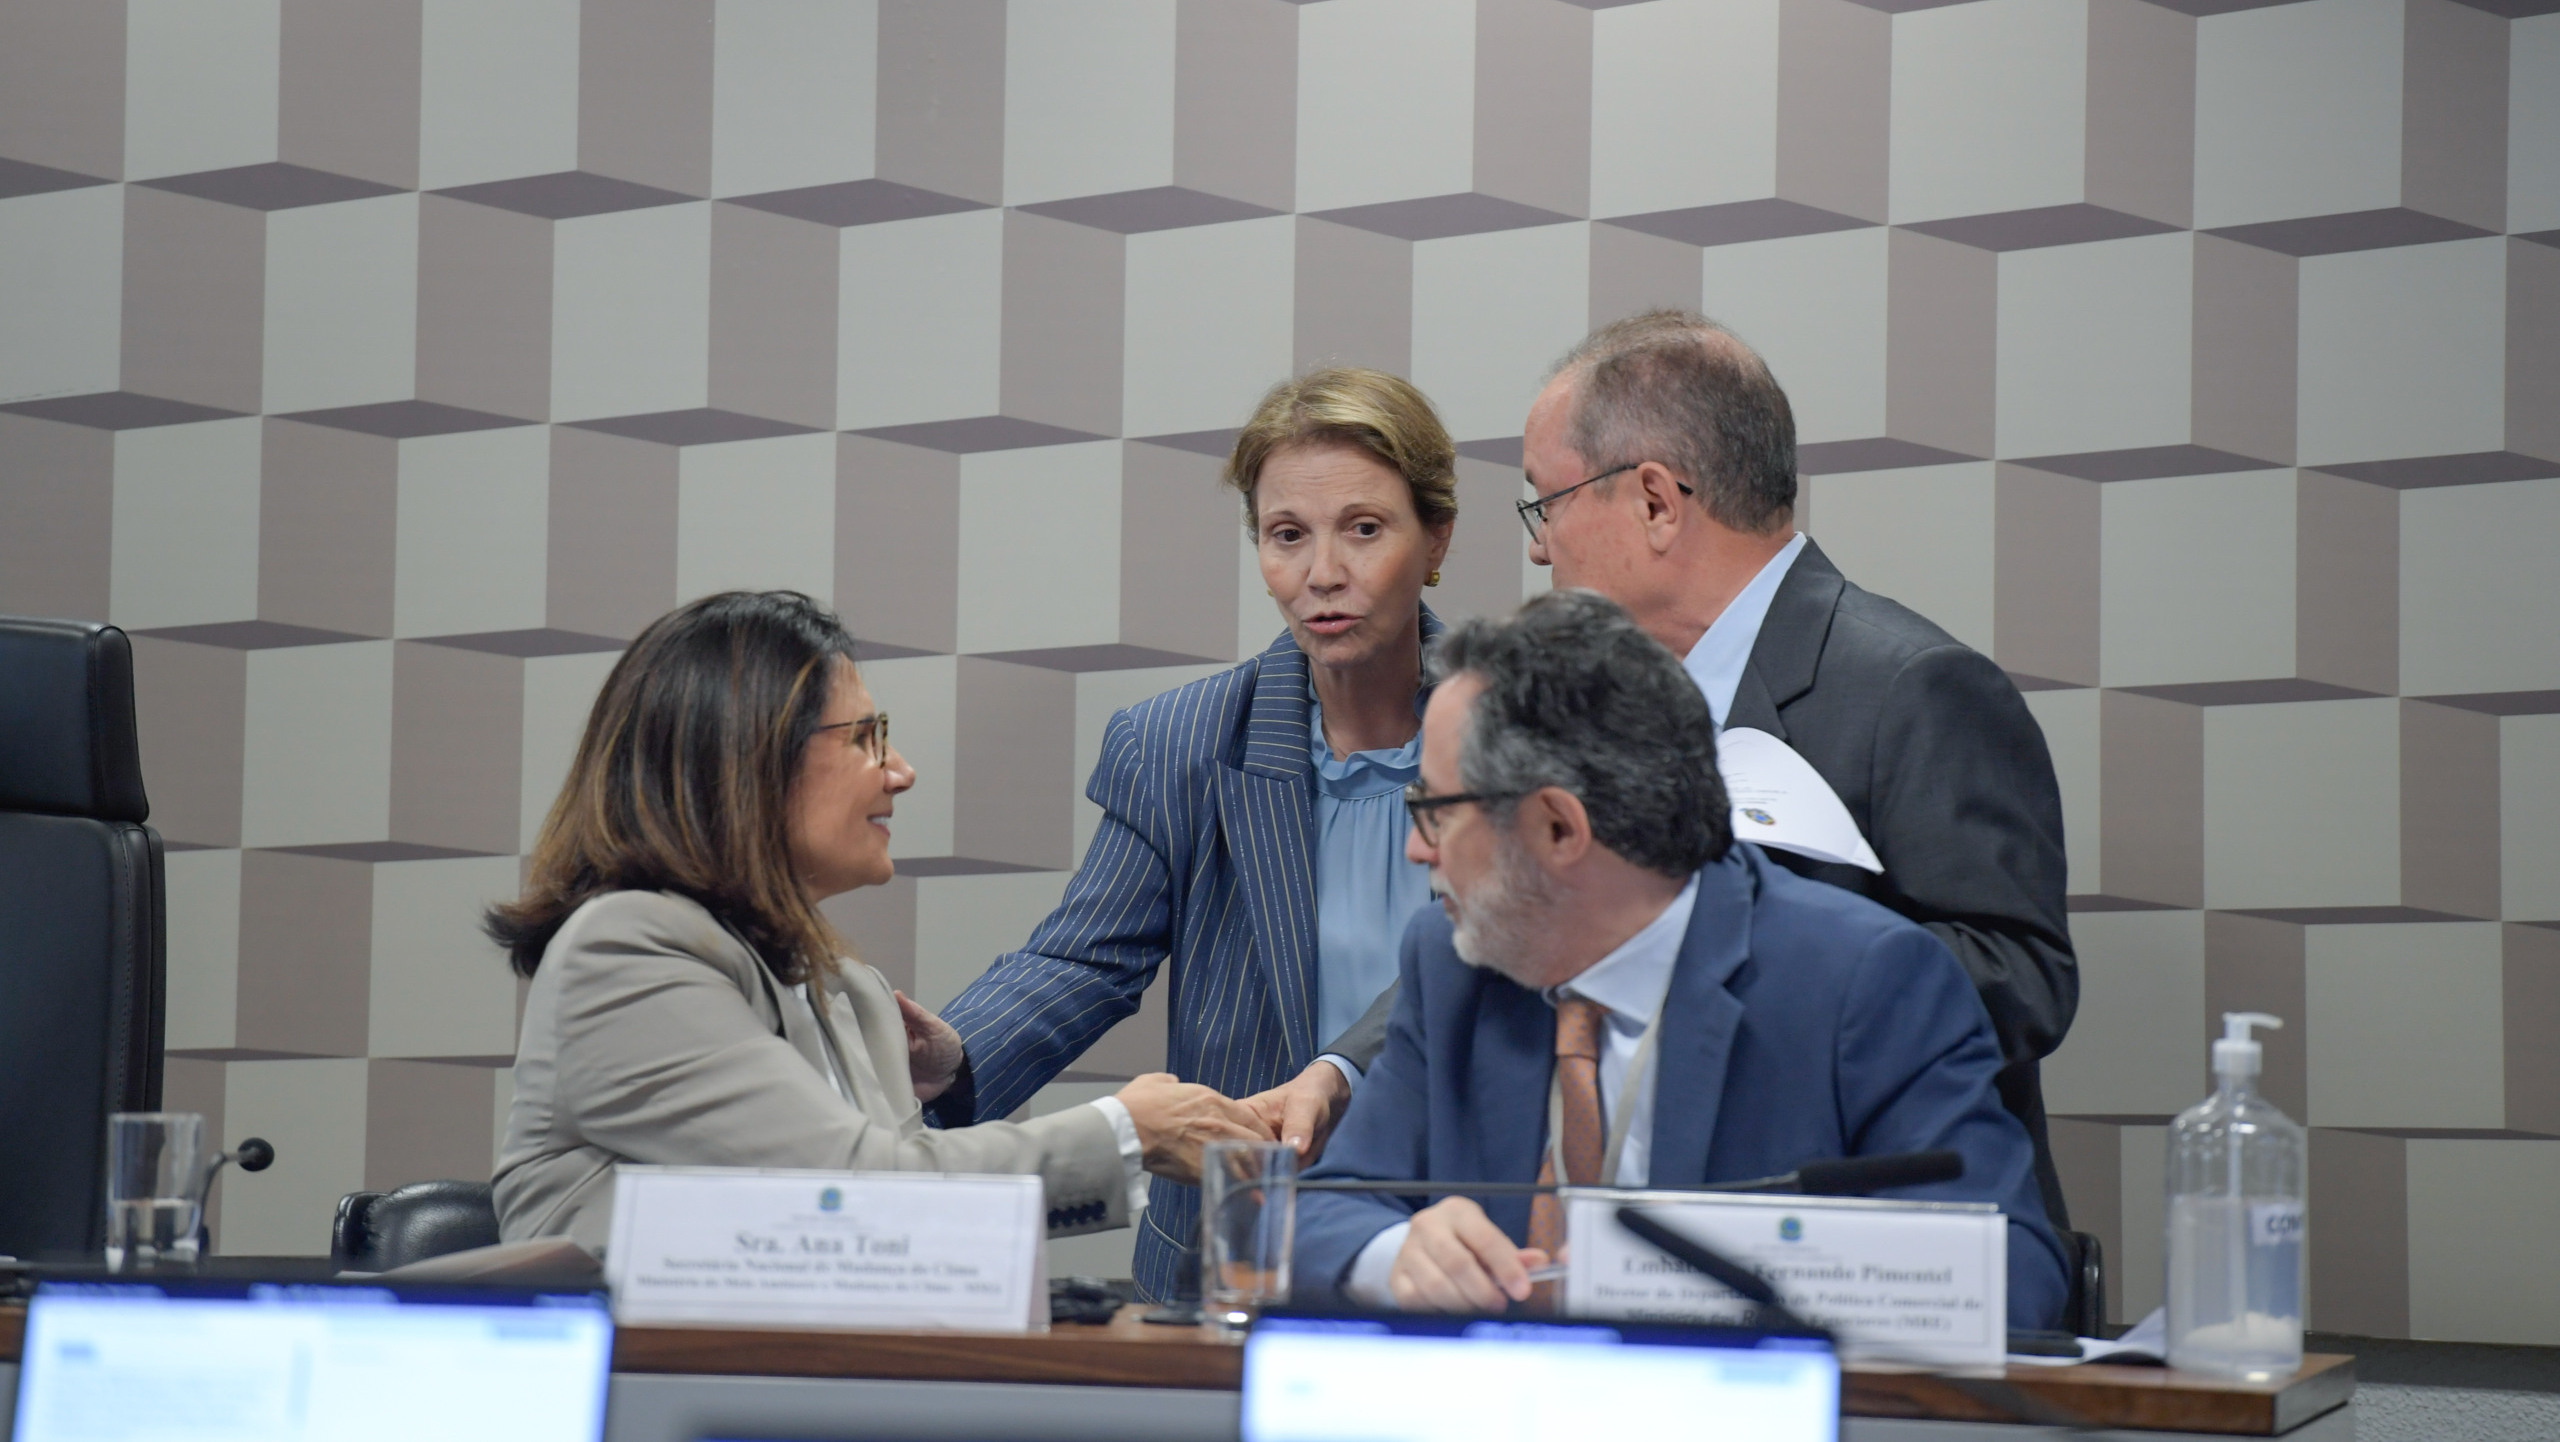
{"type": "Point", "coordinates": [1253, 822]}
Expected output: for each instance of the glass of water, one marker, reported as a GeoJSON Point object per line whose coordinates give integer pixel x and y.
{"type": "Point", "coordinates": [157, 1167]}
{"type": "Point", "coordinates": [1248, 1227]}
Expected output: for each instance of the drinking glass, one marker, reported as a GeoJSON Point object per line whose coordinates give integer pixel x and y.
{"type": "Point", "coordinates": [156, 1172]}
{"type": "Point", "coordinates": [1248, 1227]}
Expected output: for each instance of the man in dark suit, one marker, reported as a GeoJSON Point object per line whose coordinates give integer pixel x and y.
{"type": "Point", "coordinates": [1689, 1011]}
{"type": "Point", "coordinates": [1663, 457]}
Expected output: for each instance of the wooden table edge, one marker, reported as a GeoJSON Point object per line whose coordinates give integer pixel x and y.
{"type": "Point", "coordinates": [1128, 1353]}
{"type": "Point", "coordinates": [2131, 1398]}
{"type": "Point", "coordinates": [1122, 1353]}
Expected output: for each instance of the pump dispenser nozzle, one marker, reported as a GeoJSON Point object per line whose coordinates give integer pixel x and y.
{"type": "Point", "coordinates": [2238, 1053]}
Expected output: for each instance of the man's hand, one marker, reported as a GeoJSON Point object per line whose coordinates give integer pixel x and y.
{"type": "Point", "coordinates": [1456, 1260]}
{"type": "Point", "coordinates": [1302, 1110]}
{"type": "Point", "coordinates": [933, 1049]}
{"type": "Point", "coordinates": [1176, 1118]}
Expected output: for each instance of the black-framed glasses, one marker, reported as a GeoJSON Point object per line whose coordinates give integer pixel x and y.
{"type": "Point", "coordinates": [869, 733]}
{"type": "Point", "coordinates": [1533, 513]}
{"type": "Point", "coordinates": [1425, 808]}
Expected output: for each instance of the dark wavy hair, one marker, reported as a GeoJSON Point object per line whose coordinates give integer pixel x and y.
{"type": "Point", "coordinates": [1577, 696]}
{"type": "Point", "coordinates": [682, 782]}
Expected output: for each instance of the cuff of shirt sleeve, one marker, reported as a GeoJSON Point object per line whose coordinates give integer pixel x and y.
{"type": "Point", "coordinates": [1367, 1283]}
{"type": "Point", "coordinates": [1344, 1065]}
{"type": "Point", "coordinates": [1133, 1154]}
{"type": "Point", "coordinates": [958, 1104]}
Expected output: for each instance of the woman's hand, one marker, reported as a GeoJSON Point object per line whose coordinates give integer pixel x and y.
{"type": "Point", "coordinates": [933, 1049]}
{"type": "Point", "coordinates": [1302, 1110]}
{"type": "Point", "coordinates": [1176, 1118]}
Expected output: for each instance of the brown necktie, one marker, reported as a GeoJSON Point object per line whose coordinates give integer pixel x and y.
{"type": "Point", "coordinates": [1578, 1024]}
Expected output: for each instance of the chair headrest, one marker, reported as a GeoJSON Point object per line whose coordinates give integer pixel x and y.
{"type": "Point", "coordinates": [67, 743]}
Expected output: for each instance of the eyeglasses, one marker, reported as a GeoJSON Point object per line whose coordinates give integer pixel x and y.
{"type": "Point", "coordinates": [1425, 808]}
{"type": "Point", "coordinates": [1533, 513]}
{"type": "Point", "coordinates": [869, 733]}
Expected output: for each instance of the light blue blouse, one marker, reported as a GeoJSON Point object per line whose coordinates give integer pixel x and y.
{"type": "Point", "coordinates": [1365, 889]}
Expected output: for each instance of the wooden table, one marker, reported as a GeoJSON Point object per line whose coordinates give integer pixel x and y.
{"type": "Point", "coordinates": [1130, 1354]}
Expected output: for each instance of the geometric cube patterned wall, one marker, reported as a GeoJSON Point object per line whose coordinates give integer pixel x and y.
{"type": "Point", "coordinates": [383, 365]}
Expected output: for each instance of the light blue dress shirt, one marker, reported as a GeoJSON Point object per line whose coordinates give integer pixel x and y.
{"type": "Point", "coordinates": [1717, 661]}
{"type": "Point", "coordinates": [1365, 889]}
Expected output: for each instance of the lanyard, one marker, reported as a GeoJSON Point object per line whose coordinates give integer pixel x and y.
{"type": "Point", "coordinates": [1629, 1088]}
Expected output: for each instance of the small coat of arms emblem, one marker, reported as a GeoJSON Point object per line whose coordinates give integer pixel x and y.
{"type": "Point", "coordinates": [1756, 814]}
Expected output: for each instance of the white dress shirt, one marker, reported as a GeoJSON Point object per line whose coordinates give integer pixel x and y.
{"type": "Point", "coordinates": [1629, 983]}
{"type": "Point", "coordinates": [1133, 1154]}
{"type": "Point", "coordinates": [1716, 663]}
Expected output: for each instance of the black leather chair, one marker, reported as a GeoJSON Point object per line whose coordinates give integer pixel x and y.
{"type": "Point", "coordinates": [2084, 1311]}
{"type": "Point", "coordinates": [82, 941]}
{"type": "Point", "coordinates": [377, 1231]}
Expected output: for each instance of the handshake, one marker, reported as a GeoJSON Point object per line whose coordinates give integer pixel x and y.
{"type": "Point", "coordinates": [1175, 1118]}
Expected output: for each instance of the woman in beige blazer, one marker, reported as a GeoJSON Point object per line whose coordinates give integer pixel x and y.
{"type": "Point", "coordinates": [690, 1006]}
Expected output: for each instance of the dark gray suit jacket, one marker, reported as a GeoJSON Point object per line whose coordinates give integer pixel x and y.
{"type": "Point", "coordinates": [1936, 757]}
{"type": "Point", "coordinates": [1938, 760]}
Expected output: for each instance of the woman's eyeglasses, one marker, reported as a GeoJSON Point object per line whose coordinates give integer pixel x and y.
{"type": "Point", "coordinates": [869, 733]}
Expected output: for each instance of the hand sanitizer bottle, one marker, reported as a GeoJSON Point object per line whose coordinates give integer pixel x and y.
{"type": "Point", "coordinates": [2236, 1223]}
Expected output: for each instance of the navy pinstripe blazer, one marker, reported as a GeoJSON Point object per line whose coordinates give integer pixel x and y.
{"type": "Point", "coordinates": [1205, 859]}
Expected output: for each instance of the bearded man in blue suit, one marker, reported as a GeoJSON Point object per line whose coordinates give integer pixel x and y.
{"type": "Point", "coordinates": [1604, 946]}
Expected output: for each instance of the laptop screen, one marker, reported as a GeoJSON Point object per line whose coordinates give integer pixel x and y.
{"type": "Point", "coordinates": [196, 1361]}
{"type": "Point", "coordinates": [1454, 1379]}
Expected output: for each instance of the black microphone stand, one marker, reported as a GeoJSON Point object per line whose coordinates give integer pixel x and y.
{"type": "Point", "coordinates": [254, 1154]}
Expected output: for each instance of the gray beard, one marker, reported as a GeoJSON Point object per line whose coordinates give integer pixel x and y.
{"type": "Point", "coordinates": [1496, 927]}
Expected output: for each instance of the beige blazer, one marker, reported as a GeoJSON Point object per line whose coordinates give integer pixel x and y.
{"type": "Point", "coordinates": [652, 1034]}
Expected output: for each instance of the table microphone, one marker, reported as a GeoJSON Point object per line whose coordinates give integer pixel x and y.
{"type": "Point", "coordinates": [1839, 1177]}
{"type": "Point", "coordinates": [1863, 1176]}
{"type": "Point", "coordinates": [254, 1154]}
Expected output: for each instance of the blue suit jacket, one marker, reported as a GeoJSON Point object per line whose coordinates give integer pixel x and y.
{"type": "Point", "coordinates": [1205, 858]}
{"type": "Point", "coordinates": [1803, 1022]}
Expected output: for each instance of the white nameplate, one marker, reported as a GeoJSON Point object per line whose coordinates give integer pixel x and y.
{"type": "Point", "coordinates": [753, 1247]}
{"type": "Point", "coordinates": [1924, 1282]}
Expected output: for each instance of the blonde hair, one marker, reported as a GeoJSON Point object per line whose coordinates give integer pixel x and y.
{"type": "Point", "coordinates": [1352, 406]}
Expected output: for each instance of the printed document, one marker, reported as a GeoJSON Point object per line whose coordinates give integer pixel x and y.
{"type": "Point", "coordinates": [1780, 801]}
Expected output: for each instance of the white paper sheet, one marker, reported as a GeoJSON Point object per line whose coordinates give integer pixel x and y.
{"type": "Point", "coordinates": [1780, 801]}
{"type": "Point", "coordinates": [2144, 1342]}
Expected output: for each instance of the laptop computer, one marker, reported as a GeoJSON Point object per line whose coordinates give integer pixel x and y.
{"type": "Point", "coordinates": [199, 1360]}
{"type": "Point", "coordinates": [1424, 1378]}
